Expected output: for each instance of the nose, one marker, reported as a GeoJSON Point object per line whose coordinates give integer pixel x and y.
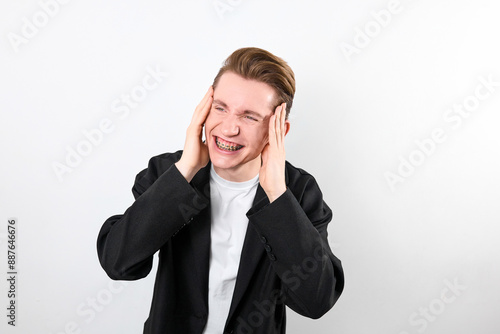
{"type": "Point", "coordinates": [230, 127]}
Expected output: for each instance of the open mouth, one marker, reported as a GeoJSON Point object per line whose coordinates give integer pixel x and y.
{"type": "Point", "coordinates": [227, 145]}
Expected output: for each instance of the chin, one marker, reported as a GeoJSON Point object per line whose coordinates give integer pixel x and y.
{"type": "Point", "coordinates": [224, 162]}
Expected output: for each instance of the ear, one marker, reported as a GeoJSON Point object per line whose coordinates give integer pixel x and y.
{"type": "Point", "coordinates": [287, 126]}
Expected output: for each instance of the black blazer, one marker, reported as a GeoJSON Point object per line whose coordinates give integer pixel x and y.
{"type": "Point", "coordinates": [286, 259]}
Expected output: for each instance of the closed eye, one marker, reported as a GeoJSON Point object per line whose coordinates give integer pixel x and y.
{"type": "Point", "coordinates": [251, 118]}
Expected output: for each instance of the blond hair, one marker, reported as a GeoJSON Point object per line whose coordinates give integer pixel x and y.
{"type": "Point", "coordinates": [261, 65]}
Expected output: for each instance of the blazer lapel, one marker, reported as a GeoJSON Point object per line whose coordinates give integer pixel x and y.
{"type": "Point", "coordinates": [200, 235]}
{"type": "Point", "coordinates": [251, 254]}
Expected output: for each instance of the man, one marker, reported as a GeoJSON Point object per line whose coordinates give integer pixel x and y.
{"type": "Point", "coordinates": [240, 232]}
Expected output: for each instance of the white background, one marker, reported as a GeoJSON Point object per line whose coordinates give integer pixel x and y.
{"type": "Point", "coordinates": [367, 90]}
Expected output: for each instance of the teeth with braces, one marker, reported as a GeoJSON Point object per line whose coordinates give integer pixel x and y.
{"type": "Point", "coordinates": [227, 147]}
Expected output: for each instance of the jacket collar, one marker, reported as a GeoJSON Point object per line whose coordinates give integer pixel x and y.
{"type": "Point", "coordinates": [202, 178]}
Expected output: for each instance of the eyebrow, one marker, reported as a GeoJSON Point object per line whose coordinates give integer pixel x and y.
{"type": "Point", "coordinates": [246, 112]}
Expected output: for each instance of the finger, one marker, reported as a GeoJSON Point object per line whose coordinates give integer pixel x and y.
{"type": "Point", "coordinates": [278, 113]}
{"type": "Point", "coordinates": [208, 102]}
{"type": "Point", "coordinates": [272, 130]}
{"type": "Point", "coordinates": [282, 125]}
{"type": "Point", "coordinates": [277, 121]}
{"type": "Point", "coordinates": [283, 118]}
{"type": "Point", "coordinates": [203, 101]}
{"type": "Point", "coordinates": [202, 105]}
{"type": "Point", "coordinates": [201, 111]}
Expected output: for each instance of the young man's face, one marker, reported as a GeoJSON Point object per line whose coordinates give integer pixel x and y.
{"type": "Point", "coordinates": [237, 127]}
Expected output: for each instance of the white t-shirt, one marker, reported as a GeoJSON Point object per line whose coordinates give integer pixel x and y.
{"type": "Point", "coordinates": [230, 202]}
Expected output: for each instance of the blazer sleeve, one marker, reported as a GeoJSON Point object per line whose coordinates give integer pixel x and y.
{"type": "Point", "coordinates": [293, 229]}
{"type": "Point", "coordinates": [164, 203]}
